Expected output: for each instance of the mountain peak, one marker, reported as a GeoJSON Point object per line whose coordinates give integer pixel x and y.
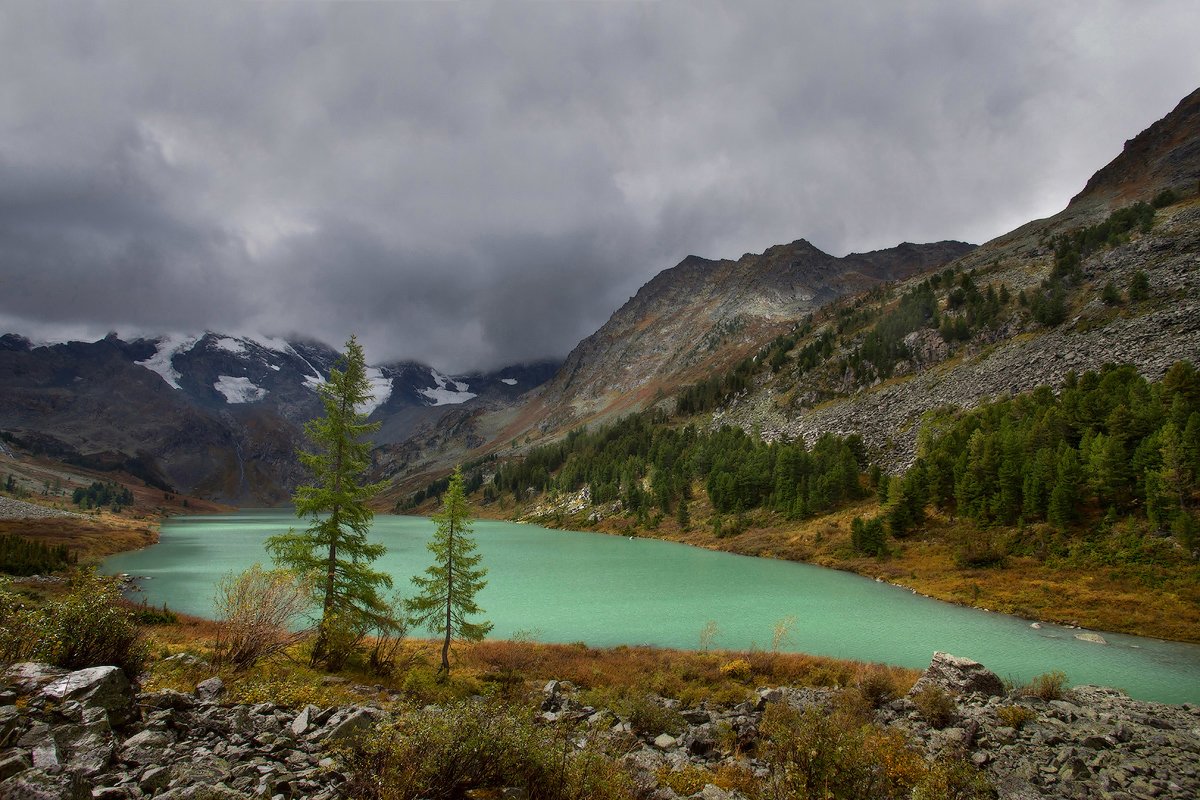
{"type": "Point", "coordinates": [1164, 156]}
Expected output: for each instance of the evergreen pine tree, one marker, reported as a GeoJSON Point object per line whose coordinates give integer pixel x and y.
{"type": "Point", "coordinates": [1064, 497]}
{"type": "Point", "coordinates": [446, 594]}
{"type": "Point", "coordinates": [1139, 287]}
{"type": "Point", "coordinates": [333, 550]}
{"type": "Point", "coordinates": [682, 516]}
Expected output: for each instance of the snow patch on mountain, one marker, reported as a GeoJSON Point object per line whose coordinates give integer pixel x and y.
{"type": "Point", "coordinates": [230, 346]}
{"type": "Point", "coordinates": [381, 390]}
{"type": "Point", "coordinates": [509, 381]}
{"type": "Point", "coordinates": [443, 394]}
{"type": "Point", "coordinates": [272, 343]}
{"type": "Point", "coordinates": [168, 347]}
{"type": "Point", "coordinates": [239, 390]}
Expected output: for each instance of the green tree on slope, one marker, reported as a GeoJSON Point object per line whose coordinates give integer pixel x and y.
{"type": "Point", "coordinates": [446, 594]}
{"type": "Point", "coordinates": [333, 550]}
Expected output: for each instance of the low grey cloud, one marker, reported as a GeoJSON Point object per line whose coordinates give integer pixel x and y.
{"type": "Point", "coordinates": [478, 184]}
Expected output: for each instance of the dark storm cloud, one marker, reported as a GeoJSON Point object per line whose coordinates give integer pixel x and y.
{"type": "Point", "coordinates": [473, 184]}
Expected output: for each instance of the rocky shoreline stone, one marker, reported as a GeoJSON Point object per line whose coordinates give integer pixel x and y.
{"type": "Point", "coordinates": [90, 734]}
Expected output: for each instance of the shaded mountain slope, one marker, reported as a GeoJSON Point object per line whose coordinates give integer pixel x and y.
{"type": "Point", "coordinates": [214, 415]}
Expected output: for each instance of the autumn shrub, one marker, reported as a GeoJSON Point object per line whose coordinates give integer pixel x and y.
{"type": "Point", "coordinates": [649, 716]}
{"type": "Point", "coordinates": [255, 611]}
{"type": "Point", "coordinates": [878, 686]}
{"type": "Point", "coordinates": [814, 754]}
{"type": "Point", "coordinates": [1047, 686]}
{"type": "Point", "coordinates": [685, 781]}
{"type": "Point", "coordinates": [20, 625]}
{"type": "Point", "coordinates": [423, 684]}
{"type": "Point", "coordinates": [738, 669]}
{"type": "Point", "coordinates": [289, 688]}
{"type": "Point", "coordinates": [1015, 716]}
{"type": "Point", "coordinates": [935, 705]}
{"type": "Point", "coordinates": [446, 752]}
{"type": "Point", "coordinates": [953, 778]}
{"type": "Point", "coordinates": [87, 627]}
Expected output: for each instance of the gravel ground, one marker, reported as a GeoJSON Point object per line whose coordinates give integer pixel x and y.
{"type": "Point", "coordinates": [19, 509]}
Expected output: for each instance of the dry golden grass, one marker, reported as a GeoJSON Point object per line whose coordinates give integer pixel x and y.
{"type": "Point", "coordinates": [608, 673]}
{"type": "Point", "coordinates": [93, 538]}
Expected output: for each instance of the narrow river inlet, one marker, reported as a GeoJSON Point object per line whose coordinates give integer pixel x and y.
{"type": "Point", "coordinates": [565, 586]}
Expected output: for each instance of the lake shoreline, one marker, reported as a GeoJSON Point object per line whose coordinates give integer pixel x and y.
{"type": "Point", "coordinates": [759, 546]}
{"type": "Point", "coordinates": [1102, 610]}
{"type": "Point", "coordinates": [628, 593]}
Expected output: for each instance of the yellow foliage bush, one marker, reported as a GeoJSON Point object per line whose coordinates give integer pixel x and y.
{"type": "Point", "coordinates": [738, 669]}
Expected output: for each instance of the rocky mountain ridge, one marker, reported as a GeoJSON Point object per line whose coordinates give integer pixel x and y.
{"type": "Point", "coordinates": [703, 314]}
{"type": "Point", "coordinates": [1019, 357]}
{"type": "Point", "coordinates": [212, 414]}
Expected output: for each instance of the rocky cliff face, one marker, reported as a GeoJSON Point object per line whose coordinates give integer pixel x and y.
{"type": "Point", "coordinates": [701, 315]}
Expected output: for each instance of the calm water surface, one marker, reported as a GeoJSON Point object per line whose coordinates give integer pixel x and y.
{"type": "Point", "coordinates": [564, 586]}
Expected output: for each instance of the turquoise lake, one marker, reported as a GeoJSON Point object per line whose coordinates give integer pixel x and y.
{"type": "Point", "coordinates": [564, 586]}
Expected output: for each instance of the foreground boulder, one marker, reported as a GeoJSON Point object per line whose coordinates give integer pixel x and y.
{"type": "Point", "coordinates": [105, 688]}
{"type": "Point", "coordinates": [86, 735]}
{"type": "Point", "coordinates": [960, 676]}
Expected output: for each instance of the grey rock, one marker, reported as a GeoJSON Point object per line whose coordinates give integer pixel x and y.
{"type": "Point", "coordinates": [215, 792]}
{"type": "Point", "coordinates": [302, 721]}
{"type": "Point", "coordinates": [34, 784]}
{"type": "Point", "coordinates": [352, 724]}
{"type": "Point", "coordinates": [28, 677]}
{"type": "Point", "coordinates": [146, 747]}
{"type": "Point", "coordinates": [201, 770]}
{"type": "Point", "coordinates": [711, 792]}
{"type": "Point", "coordinates": [166, 699]}
{"type": "Point", "coordinates": [959, 676]}
{"type": "Point", "coordinates": [87, 750]}
{"type": "Point", "coordinates": [103, 687]}
{"type": "Point", "coordinates": [665, 741]}
{"type": "Point", "coordinates": [12, 725]}
{"type": "Point", "coordinates": [13, 763]}
{"type": "Point", "coordinates": [113, 793]}
{"type": "Point", "coordinates": [154, 779]}
{"type": "Point", "coordinates": [209, 690]}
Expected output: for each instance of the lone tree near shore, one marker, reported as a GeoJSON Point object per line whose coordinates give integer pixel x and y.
{"type": "Point", "coordinates": [333, 551]}
{"type": "Point", "coordinates": [447, 592]}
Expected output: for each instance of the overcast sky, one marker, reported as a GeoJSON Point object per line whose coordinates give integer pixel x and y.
{"type": "Point", "coordinates": [476, 184]}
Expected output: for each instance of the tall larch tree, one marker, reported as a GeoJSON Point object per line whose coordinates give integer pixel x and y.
{"type": "Point", "coordinates": [333, 551]}
{"type": "Point", "coordinates": [446, 593]}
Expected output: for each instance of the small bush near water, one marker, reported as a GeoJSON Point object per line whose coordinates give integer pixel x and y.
{"type": "Point", "coordinates": [87, 627]}
{"type": "Point", "coordinates": [255, 609]}
{"type": "Point", "coordinates": [815, 754]}
{"type": "Point", "coordinates": [1049, 686]}
{"type": "Point", "coordinates": [935, 706]}
{"type": "Point", "coordinates": [1015, 716]}
{"type": "Point", "coordinates": [442, 753]}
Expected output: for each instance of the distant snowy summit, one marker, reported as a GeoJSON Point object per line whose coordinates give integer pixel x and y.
{"type": "Point", "coordinates": [212, 413]}
{"type": "Point", "coordinates": [218, 368]}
